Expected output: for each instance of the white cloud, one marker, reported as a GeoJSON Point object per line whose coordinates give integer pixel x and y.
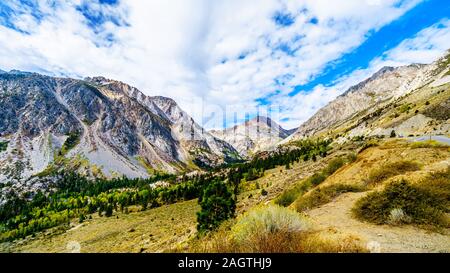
{"type": "Point", "coordinates": [425, 47]}
{"type": "Point", "coordinates": [189, 50]}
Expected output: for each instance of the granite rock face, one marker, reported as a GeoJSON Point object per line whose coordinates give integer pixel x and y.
{"type": "Point", "coordinates": [258, 134]}
{"type": "Point", "coordinates": [119, 130]}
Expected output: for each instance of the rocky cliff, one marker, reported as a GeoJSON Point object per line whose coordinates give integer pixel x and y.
{"type": "Point", "coordinates": [257, 134]}
{"type": "Point", "coordinates": [97, 126]}
{"type": "Point", "coordinates": [391, 99]}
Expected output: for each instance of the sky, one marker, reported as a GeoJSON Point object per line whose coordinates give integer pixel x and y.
{"type": "Point", "coordinates": [225, 60]}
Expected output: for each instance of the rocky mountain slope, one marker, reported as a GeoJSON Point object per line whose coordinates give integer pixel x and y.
{"type": "Point", "coordinates": [257, 134]}
{"type": "Point", "coordinates": [96, 126]}
{"type": "Point", "coordinates": [396, 97]}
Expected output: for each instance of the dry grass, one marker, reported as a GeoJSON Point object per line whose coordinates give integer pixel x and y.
{"type": "Point", "coordinates": [277, 242]}
{"type": "Point", "coordinates": [290, 195]}
{"type": "Point", "coordinates": [272, 229]}
{"type": "Point", "coordinates": [390, 170]}
{"type": "Point", "coordinates": [152, 230]}
{"type": "Point", "coordinates": [428, 144]}
{"type": "Point", "coordinates": [323, 195]}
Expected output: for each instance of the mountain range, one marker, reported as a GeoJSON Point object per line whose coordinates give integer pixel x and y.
{"type": "Point", "coordinates": [257, 134]}
{"type": "Point", "coordinates": [99, 127]}
{"type": "Point", "coordinates": [387, 101]}
{"type": "Point", "coordinates": [103, 127]}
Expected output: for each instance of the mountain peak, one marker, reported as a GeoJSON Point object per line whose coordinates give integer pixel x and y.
{"type": "Point", "coordinates": [98, 80]}
{"type": "Point", "coordinates": [384, 85]}
{"type": "Point", "coordinates": [116, 124]}
{"type": "Point", "coordinates": [254, 135]}
{"type": "Point", "coordinates": [262, 120]}
{"type": "Point", "coordinates": [18, 72]}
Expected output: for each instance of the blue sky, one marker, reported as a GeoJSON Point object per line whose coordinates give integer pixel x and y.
{"type": "Point", "coordinates": [223, 58]}
{"type": "Point", "coordinates": [423, 15]}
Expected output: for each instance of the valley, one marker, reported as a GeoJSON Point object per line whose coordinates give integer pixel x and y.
{"type": "Point", "coordinates": [95, 165]}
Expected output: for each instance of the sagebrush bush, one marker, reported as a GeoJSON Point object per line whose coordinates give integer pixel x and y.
{"type": "Point", "coordinates": [424, 203]}
{"type": "Point", "coordinates": [323, 195]}
{"type": "Point", "coordinates": [272, 229]}
{"type": "Point", "coordinates": [390, 170]}
{"type": "Point", "coordinates": [398, 217]}
{"type": "Point", "coordinates": [334, 165]}
{"type": "Point", "coordinates": [267, 220]}
{"type": "Point", "coordinates": [317, 178]}
{"type": "Point", "coordinates": [287, 197]}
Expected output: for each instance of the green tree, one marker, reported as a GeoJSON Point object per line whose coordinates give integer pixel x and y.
{"type": "Point", "coordinates": [217, 205]}
{"type": "Point", "coordinates": [109, 210]}
{"type": "Point", "coordinates": [393, 133]}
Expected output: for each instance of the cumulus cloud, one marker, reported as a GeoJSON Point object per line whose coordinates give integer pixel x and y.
{"type": "Point", "coordinates": [207, 55]}
{"type": "Point", "coordinates": [424, 47]}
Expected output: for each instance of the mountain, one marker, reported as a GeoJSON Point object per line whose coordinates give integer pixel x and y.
{"type": "Point", "coordinates": [257, 134]}
{"type": "Point", "coordinates": [97, 126]}
{"type": "Point", "coordinates": [383, 92]}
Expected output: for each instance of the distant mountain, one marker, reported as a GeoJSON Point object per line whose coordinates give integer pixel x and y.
{"type": "Point", "coordinates": [257, 134]}
{"type": "Point", "coordinates": [98, 127]}
{"type": "Point", "coordinates": [353, 112]}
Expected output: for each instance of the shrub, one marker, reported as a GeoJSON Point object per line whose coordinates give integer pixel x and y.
{"type": "Point", "coordinates": [390, 170]}
{"type": "Point", "coordinates": [323, 195]}
{"type": "Point", "coordinates": [333, 166]}
{"type": "Point", "coordinates": [290, 195]}
{"type": "Point", "coordinates": [265, 229]}
{"type": "Point", "coordinates": [367, 145]}
{"type": "Point", "coordinates": [267, 220]}
{"type": "Point", "coordinates": [217, 205]}
{"type": "Point", "coordinates": [440, 111]}
{"type": "Point", "coordinates": [3, 146]}
{"type": "Point", "coordinates": [253, 174]}
{"type": "Point", "coordinates": [352, 158]}
{"type": "Point", "coordinates": [317, 178]}
{"type": "Point", "coordinates": [72, 140]}
{"type": "Point", "coordinates": [425, 203]}
{"type": "Point", "coordinates": [271, 229]}
{"type": "Point", "coordinates": [428, 144]}
{"type": "Point", "coordinates": [397, 217]}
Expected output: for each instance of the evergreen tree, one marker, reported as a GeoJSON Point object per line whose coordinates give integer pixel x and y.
{"type": "Point", "coordinates": [393, 133]}
{"type": "Point", "coordinates": [217, 205]}
{"type": "Point", "coordinates": [109, 211]}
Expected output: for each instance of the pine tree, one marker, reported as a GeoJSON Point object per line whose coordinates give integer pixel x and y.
{"type": "Point", "coordinates": [393, 133]}
{"type": "Point", "coordinates": [217, 205]}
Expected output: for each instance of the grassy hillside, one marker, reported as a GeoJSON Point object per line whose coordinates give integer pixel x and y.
{"type": "Point", "coordinates": [137, 231]}
{"type": "Point", "coordinates": [423, 111]}
{"type": "Point", "coordinates": [323, 195]}
{"type": "Point", "coordinates": [322, 213]}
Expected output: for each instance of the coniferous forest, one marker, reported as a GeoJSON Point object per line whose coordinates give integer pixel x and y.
{"type": "Point", "coordinates": [76, 197]}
